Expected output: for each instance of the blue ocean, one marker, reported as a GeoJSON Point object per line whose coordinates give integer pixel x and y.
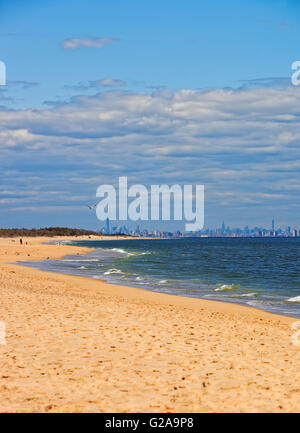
{"type": "Point", "coordinates": [258, 272]}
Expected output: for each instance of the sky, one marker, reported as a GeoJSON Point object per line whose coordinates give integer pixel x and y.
{"type": "Point", "coordinates": [174, 92]}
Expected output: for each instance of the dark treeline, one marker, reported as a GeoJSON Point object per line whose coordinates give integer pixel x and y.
{"type": "Point", "coordinates": [47, 231]}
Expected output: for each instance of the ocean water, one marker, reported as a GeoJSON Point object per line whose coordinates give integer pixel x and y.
{"type": "Point", "coordinates": [258, 272]}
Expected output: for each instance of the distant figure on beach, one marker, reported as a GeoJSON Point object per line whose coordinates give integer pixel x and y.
{"type": "Point", "coordinates": [21, 241]}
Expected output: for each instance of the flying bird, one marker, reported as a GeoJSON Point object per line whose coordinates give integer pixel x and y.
{"type": "Point", "coordinates": [92, 207]}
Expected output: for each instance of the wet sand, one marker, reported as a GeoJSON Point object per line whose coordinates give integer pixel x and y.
{"type": "Point", "coordinates": [75, 344]}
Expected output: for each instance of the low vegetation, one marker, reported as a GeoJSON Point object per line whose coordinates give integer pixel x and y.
{"type": "Point", "coordinates": [47, 231]}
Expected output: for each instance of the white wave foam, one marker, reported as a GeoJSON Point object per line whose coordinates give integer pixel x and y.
{"type": "Point", "coordinates": [295, 299]}
{"type": "Point", "coordinates": [119, 250]}
{"type": "Point", "coordinates": [250, 294]}
{"type": "Point", "coordinates": [254, 303]}
{"type": "Point", "coordinates": [82, 267]}
{"type": "Point", "coordinates": [224, 288]}
{"type": "Point", "coordinates": [113, 271]}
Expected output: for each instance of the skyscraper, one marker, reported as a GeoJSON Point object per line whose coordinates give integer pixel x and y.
{"type": "Point", "coordinates": [273, 225]}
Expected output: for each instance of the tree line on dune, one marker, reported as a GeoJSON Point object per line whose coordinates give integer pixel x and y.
{"type": "Point", "coordinates": [47, 231]}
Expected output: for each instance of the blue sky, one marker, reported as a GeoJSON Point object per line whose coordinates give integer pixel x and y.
{"type": "Point", "coordinates": [160, 91]}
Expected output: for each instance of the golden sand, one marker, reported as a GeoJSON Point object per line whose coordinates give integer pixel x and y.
{"type": "Point", "coordinates": [75, 344]}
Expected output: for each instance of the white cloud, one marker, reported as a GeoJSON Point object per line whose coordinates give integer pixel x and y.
{"type": "Point", "coordinates": [110, 82]}
{"type": "Point", "coordinates": [74, 43]}
{"type": "Point", "coordinates": [92, 84]}
{"type": "Point", "coordinates": [245, 143]}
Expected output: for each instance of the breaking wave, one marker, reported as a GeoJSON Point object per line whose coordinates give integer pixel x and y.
{"type": "Point", "coordinates": [295, 299]}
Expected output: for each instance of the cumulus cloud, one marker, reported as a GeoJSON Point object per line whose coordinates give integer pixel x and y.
{"type": "Point", "coordinates": [242, 144]}
{"type": "Point", "coordinates": [74, 43]}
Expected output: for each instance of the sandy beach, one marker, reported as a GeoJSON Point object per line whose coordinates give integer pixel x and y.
{"type": "Point", "coordinates": [75, 344]}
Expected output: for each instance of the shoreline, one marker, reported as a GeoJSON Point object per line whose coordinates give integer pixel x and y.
{"type": "Point", "coordinates": [244, 336]}
{"type": "Point", "coordinates": [114, 287]}
{"type": "Point", "coordinates": [90, 249]}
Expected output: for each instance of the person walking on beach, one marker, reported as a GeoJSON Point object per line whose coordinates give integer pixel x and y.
{"type": "Point", "coordinates": [21, 241]}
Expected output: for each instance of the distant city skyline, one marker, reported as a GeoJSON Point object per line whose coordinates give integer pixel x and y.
{"type": "Point", "coordinates": [257, 231]}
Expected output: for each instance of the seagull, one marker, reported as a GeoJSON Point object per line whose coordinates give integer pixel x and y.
{"type": "Point", "coordinates": [92, 207]}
